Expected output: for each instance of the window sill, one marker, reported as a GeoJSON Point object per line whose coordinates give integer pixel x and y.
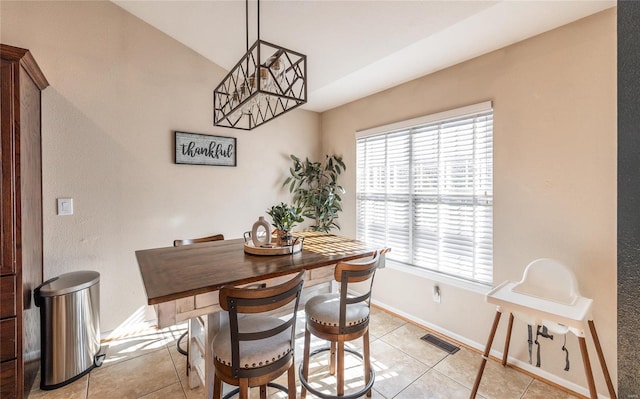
{"type": "Point", "coordinates": [471, 286]}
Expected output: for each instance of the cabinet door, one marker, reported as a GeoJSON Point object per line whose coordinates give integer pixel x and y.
{"type": "Point", "coordinates": [7, 296]}
{"type": "Point", "coordinates": [7, 171]}
{"type": "Point", "coordinates": [8, 344]}
{"type": "Point", "coordinates": [8, 380]}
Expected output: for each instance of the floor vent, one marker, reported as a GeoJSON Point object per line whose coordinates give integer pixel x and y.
{"type": "Point", "coordinates": [440, 343]}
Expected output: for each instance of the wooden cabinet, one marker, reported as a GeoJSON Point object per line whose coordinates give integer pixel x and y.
{"type": "Point", "coordinates": [21, 220]}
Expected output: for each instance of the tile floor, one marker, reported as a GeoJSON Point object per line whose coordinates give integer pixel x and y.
{"type": "Point", "coordinates": [147, 365]}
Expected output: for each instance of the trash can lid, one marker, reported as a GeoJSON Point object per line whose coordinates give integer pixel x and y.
{"type": "Point", "coordinates": [69, 282]}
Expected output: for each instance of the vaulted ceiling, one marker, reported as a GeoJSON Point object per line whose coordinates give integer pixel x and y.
{"type": "Point", "coordinates": [357, 48]}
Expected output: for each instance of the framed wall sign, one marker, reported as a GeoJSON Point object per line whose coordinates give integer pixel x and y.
{"type": "Point", "coordinates": [202, 149]}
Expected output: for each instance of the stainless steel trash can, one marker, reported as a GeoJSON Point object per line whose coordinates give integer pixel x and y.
{"type": "Point", "coordinates": [70, 327]}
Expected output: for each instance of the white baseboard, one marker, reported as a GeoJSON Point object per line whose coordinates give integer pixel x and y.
{"type": "Point", "coordinates": [542, 374]}
{"type": "Point", "coordinates": [31, 356]}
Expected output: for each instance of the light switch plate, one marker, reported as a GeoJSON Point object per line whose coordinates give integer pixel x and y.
{"type": "Point", "coordinates": [65, 206]}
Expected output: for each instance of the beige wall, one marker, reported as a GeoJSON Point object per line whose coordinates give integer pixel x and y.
{"type": "Point", "coordinates": [554, 100]}
{"type": "Point", "coordinates": [119, 88]}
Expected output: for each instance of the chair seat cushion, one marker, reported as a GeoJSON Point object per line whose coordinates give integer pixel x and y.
{"type": "Point", "coordinates": [324, 309]}
{"type": "Point", "coordinates": [253, 354]}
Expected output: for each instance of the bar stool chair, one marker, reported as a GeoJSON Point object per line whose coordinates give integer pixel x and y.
{"type": "Point", "coordinates": [253, 348]}
{"type": "Point", "coordinates": [179, 243]}
{"type": "Point", "coordinates": [338, 318]}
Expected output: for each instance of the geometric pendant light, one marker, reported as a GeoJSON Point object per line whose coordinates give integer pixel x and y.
{"type": "Point", "coordinates": [267, 82]}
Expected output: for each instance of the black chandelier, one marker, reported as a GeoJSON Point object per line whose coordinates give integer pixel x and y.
{"type": "Point", "coordinates": [268, 81]}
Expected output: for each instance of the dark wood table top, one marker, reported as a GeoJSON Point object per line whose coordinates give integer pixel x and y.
{"type": "Point", "coordinates": [178, 272]}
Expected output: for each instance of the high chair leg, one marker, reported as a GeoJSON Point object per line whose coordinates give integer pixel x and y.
{"type": "Point", "coordinates": [487, 349]}
{"type": "Point", "coordinates": [603, 363]}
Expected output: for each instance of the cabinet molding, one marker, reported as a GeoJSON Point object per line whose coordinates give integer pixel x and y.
{"type": "Point", "coordinates": [21, 216]}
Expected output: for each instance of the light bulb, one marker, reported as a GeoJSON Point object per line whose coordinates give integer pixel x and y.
{"type": "Point", "coordinates": [265, 77]}
{"type": "Point", "coordinates": [277, 69]}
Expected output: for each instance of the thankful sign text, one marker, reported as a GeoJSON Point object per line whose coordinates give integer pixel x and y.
{"type": "Point", "coordinates": [202, 149]}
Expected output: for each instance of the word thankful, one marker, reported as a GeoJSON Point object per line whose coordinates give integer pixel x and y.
{"type": "Point", "coordinates": [214, 150]}
{"type": "Point", "coordinates": [202, 149]}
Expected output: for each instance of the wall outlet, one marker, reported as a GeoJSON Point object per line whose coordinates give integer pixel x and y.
{"type": "Point", "coordinates": [436, 294]}
{"type": "Point", "coordinates": [65, 206]}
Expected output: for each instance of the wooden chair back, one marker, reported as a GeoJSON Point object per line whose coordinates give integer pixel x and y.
{"type": "Point", "coordinates": [237, 301]}
{"type": "Point", "coordinates": [354, 272]}
{"type": "Point", "coordinates": [189, 241]}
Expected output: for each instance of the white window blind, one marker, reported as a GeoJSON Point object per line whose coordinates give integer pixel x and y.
{"type": "Point", "coordinates": [425, 189]}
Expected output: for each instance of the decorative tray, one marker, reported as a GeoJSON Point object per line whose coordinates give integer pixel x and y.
{"type": "Point", "coordinates": [272, 249]}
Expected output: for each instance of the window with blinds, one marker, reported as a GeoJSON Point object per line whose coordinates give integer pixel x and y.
{"type": "Point", "coordinates": [425, 189]}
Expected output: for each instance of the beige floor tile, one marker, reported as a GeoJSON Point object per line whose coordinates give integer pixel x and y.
{"type": "Point", "coordinates": [148, 366]}
{"type": "Point", "coordinates": [434, 385]}
{"type": "Point", "coordinates": [171, 392]}
{"type": "Point", "coordinates": [319, 368]}
{"type": "Point", "coordinates": [501, 382]}
{"type": "Point", "coordinates": [321, 380]}
{"type": "Point", "coordinates": [316, 343]}
{"type": "Point", "coordinates": [75, 390]}
{"type": "Point", "coordinates": [382, 323]}
{"type": "Point", "coordinates": [395, 370]}
{"type": "Point", "coordinates": [376, 395]}
{"type": "Point", "coordinates": [130, 347]}
{"type": "Point", "coordinates": [195, 393]}
{"type": "Point", "coordinates": [180, 363]}
{"type": "Point", "coordinates": [134, 378]}
{"type": "Point", "coordinates": [173, 333]}
{"type": "Point", "coordinates": [461, 366]}
{"type": "Point", "coordinates": [497, 382]}
{"type": "Point", "coordinates": [407, 339]}
{"type": "Point", "coordinates": [540, 390]}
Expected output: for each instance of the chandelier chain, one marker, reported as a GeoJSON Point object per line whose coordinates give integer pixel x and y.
{"type": "Point", "coordinates": [246, 22]}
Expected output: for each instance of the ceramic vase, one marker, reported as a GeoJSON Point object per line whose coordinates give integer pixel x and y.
{"type": "Point", "coordinates": [261, 233]}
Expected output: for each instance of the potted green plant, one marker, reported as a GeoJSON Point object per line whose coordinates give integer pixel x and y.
{"type": "Point", "coordinates": [316, 190]}
{"type": "Point", "coordinates": [284, 217]}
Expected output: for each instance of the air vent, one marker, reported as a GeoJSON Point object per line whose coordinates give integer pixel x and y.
{"type": "Point", "coordinates": [440, 343]}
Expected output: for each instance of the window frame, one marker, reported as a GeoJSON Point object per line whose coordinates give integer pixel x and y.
{"type": "Point", "coordinates": [421, 122]}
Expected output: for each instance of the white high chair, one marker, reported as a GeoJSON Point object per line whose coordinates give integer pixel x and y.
{"type": "Point", "coordinates": [547, 295]}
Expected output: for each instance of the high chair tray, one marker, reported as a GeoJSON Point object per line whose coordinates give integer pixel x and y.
{"type": "Point", "coordinates": [570, 315]}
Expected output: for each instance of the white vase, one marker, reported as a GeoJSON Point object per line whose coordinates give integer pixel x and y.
{"type": "Point", "coordinates": [261, 233]}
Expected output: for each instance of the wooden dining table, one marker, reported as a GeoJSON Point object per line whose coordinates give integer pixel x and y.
{"type": "Point", "coordinates": [182, 283]}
